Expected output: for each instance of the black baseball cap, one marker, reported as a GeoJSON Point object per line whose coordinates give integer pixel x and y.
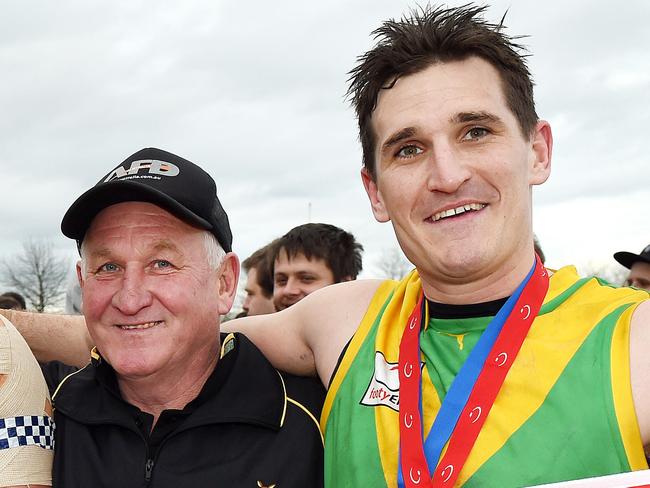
{"type": "Point", "coordinates": [627, 259]}
{"type": "Point", "coordinates": [159, 177]}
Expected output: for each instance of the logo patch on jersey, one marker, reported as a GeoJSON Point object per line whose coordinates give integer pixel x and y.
{"type": "Point", "coordinates": [384, 384]}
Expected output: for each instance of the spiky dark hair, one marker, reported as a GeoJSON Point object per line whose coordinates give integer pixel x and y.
{"type": "Point", "coordinates": [429, 35]}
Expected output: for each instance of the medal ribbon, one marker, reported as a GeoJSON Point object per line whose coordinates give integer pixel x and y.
{"type": "Point", "coordinates": [471, 394]}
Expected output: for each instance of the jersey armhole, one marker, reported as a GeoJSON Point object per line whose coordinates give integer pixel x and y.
{"type": "Point", "coordinates": [378, 302]}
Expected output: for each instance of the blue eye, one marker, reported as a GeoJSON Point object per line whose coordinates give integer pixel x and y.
{"type": "Point", "coordinates": [108, 268]}
{"type": "Point", "coordinates": [162, 264]}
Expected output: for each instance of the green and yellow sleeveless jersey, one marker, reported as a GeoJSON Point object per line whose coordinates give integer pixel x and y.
{"type": "Point", "coordinates": [565, 410]}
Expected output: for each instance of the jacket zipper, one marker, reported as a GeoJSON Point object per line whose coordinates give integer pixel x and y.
{"type": "Point", "coordinates": [148, 468]}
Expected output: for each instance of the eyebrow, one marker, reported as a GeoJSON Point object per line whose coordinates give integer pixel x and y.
{"type": "Point", "coordinates": [399, 136]}
{"type": "Point", "coordinates": [103, 252]}
{"type": "Point", "coordinates": [166, 245]}
{"type": "Point", "coordinates": [162, 245]}
{"type": "Point", "coordinates": [464, 117]}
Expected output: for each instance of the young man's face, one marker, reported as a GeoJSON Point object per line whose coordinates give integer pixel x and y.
{"type": "Point", "coordinates": [296, 277]}
{"type": "Point", "coordinates": [454, 172]}
{"type": "Point", "coordinates": [256, 303]}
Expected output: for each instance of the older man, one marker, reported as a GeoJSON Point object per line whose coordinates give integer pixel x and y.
{"type": "Point", "coordinates": [166, 400]}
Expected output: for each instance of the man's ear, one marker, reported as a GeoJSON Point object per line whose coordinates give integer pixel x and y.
{"type": "Point", "coordinates": [80, 275]}
{"type": "Point", "coordinates": [542, 149]}
{"type": "Point", "coordinates": [228, 279]}
{"type": "Point", "coordinates": [374, 195]}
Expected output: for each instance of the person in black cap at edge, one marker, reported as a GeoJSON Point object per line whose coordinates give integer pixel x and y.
{"type": "Point", "coordinates": [639, 266]}
{"type": "Point", "coordinates": [167, 401]}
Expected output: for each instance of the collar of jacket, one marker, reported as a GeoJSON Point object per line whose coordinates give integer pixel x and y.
{"type": "Point", "coordinates": [252, 393]}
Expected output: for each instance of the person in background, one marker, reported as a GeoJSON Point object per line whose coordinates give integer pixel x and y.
{"type": "Point", "coordinates": [17, 297]}
{"type": "Point", "coordinates": [310, 257]}
{"type": "Point", "coordinates": [9, 303]}
{"type": "Point", "coordinates": [26, 428]}
{"type": "Point", "coordinates": [73, 295]}
{"type": "Point", "coordinates": [259, 282]}
{"type": "Point", "coordinates": [639, 266]}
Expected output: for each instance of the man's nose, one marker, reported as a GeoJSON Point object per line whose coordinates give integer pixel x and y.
{"type": "Point", "coordinates": [292, 288]}
{"type": "Point", "coordinates": [447, 169]}
{"type": "Point", "coordinates": [133, 295]}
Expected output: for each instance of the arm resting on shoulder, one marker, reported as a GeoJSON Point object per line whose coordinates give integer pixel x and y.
{"type": "Point", "coordinates": [53, 337]}
{"type": "Point", "coordinates": [640, 368]}
{"type": "Point", "coordinates": [307, 338]}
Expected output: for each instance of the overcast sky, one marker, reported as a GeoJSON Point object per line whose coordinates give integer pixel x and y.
{"type": "Point", "coordinates": [254, 93]}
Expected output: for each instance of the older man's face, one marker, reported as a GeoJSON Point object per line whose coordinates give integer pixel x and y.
{"type": "Point", "coordinates": [150, 299]}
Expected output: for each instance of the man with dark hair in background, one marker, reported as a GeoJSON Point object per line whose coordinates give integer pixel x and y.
{"type": "Point", "coordinates": [310, 257]}
{"type": "Point", "coordinates": [9, 303]}
{"type": "Point", "coordinates": [259, 282]}
{"type": "Point", "coordinates": [17, 297]}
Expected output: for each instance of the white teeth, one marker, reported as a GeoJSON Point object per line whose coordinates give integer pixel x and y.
{"type": "Point", "coordinates": [146, 325]}
{"type": "Point", "coordinates": [457, 211]}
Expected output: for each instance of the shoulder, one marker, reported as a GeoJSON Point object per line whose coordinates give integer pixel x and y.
{"type": "Point", "coordinates": [357, 289]}
{"type": "Point", "coordinates": [55, 372]}
{"type": "Point", "coordinates": [338, 307]}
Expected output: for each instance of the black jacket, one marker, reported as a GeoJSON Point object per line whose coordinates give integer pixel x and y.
{"type": "Point", "coordinates": [249, 427]}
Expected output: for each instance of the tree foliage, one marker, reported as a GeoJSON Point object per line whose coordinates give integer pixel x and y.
{"type": "Point", "coordinates": [613, 273]}
{"type": "Point", "coordinates": [393, 265]}
{"type": "Point", "coordinates": [37, 274]}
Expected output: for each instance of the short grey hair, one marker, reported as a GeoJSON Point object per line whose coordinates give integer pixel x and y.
{"type": "Point", "coordinates": [214, 253]}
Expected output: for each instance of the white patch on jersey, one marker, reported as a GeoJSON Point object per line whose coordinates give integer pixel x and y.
{"type": "Point", "coordinates": [384, 384]}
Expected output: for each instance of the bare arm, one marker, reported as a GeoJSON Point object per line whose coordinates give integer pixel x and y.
{"type": "Point", "coordinates": [307, 338]}
{"type": "Point", "coordinates": [53, 337]}
{"type": "Point", "coordinates": [640, 368]}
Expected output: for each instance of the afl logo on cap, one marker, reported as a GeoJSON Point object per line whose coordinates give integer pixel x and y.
{"type": "Point", "coordinates": [148, 166]}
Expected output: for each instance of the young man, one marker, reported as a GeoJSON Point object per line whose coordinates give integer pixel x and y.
{"type": "Point", "coordinates": [528, 380]}
{"type": "Point", "coordinates": [259, 282]}
{"type": "Point", "coordinates": [310, 257]}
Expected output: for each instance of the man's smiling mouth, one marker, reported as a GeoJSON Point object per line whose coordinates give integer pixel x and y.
{"type": "Point", "coordinates": [461, 209]}
{"type": "Point", "coordinates": [142, 326]}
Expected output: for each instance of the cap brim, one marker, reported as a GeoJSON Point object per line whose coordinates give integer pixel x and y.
{"type": "Point", "coordinates": [627, 259]}
{"type": "Point", "coordinates": [77, 219]}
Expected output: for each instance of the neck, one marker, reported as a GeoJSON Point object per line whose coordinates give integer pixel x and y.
{"type": "Point", "coordinates": [163, 391]}
{"type": "Point", "coordinates": [478, 287]}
